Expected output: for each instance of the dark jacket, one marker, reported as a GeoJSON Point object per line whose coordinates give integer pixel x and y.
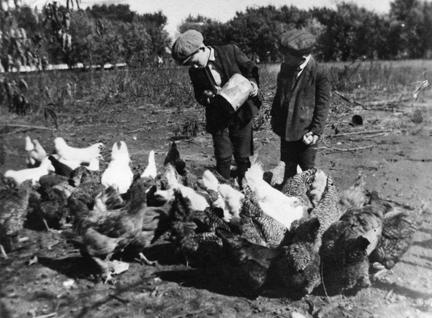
{"type": "Point", "coordinates": [300, 105]}
{"type": "Point", "coordinates": [229, 59]}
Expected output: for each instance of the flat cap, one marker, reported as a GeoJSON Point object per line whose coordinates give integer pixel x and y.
{"type": "Point", "coordinates": [186, 44]}
{"type": "Point", "coordinates": [298, 41]}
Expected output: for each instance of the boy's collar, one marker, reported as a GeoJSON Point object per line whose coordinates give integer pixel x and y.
{"type": "Point", "coordinates": [212, 57]}
{"type": "Point", "coordinates": [307, 58]}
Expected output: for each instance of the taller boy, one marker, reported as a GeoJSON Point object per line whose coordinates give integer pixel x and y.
{"type": "Point", "coordinates": [231, 132]}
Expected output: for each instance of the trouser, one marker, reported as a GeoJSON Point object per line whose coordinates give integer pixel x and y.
{"type": "Point", "coordinates": [295, 153]}
{"type": "Point", "coordinates": [233, 140]}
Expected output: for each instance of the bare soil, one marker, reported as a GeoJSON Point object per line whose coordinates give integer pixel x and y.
{"type": "Point", "coordinates": [397, 163]}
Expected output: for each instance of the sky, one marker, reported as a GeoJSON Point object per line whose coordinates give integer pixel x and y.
{"type": "Point", "coordinates": [221, 10]}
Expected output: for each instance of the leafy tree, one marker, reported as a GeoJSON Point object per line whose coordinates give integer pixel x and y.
{"type": "Point", "coordinates": [411, 27]}
{"type": "Point", "coordinates": [154, 24]}
{"type": "Point", "coordinates": [137, 44]}
{"type": "Point", "coordinates": [118, 12]}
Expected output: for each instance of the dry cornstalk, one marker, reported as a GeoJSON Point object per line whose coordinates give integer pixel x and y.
{"type": "Point", "coordinates": [345, 149]}
{"type": "Point", "coordinates": [28, 126]}
{"type": "Point", "coordinates": [349, 100]}
{"type": "Point", "coordinates": [375, 131]}
{"type": "Point", "coordinates": [387, 102]}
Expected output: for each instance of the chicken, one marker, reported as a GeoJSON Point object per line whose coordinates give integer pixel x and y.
{"type": "Point", "coordinates": [109, 199]}
{"type": "Point", "coordinates": [275, 176]}
{"type": "Point", "coordinates": [35, 152]}
{"type": "Point", "coordinates": [198, 201]}
{"type": "Point", "coordinates": [118, 174]}
{"type": "Point", "coordinates": [297, 266]}
{"type": "Point", "coordinates": [87, 186]}
{"type": "Point", "coordinates": [184, 175]}
{"type": "Point", "coordinates": [13, 212]}
{"type": "Point", "coordinates": [274, 203]}
{"type": "Point", "coordinates": [355, 196]}
{"type": "Point", "coordinates": [150, 171]}
{"type": "Point", "coordinates": [83, 175]}
{"type": "Point", "coordinates": [252, 260]}
{"type": "Point", "coordinates": [399, 227]}
{"type": "Point", "coordinates": [228, 198]}
{"type": "Point", "coordinates": [51, 211]}
{"type": "Point", "coordinates": [33, 174]}
{"type": "Point", "coordinates": [194, 231]}
{"type": "Point", "coordinates": [258, 227]}
{"type": "Point", "coordinates": [100, 248]}
{"type": "Point", "coordinates": [347, 244]}
{"type": "Point", "coordinates": [173, 158]}
{"type": "Point", "coordinates": [105, 232]}
{"type": "Point", "coordinates": [67, 152]}
{"type": "Point", "coordinates": [299, 186]}
{"type": "Point", "coordinates": [326, 210]}
{"type": "Point", "coordinates": [317, 188]}
{"type": "Point", "coordinates": [60, 168]}
{"type": "Point", "coordinates": [211, 184]}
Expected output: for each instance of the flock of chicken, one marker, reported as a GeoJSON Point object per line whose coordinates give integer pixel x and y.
{"type": "Point", "coordinates": [297, 235]}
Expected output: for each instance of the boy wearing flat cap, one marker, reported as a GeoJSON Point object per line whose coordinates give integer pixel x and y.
{"type": "Point", "coordinates": [210, 67]}
{"type": "Point", "coordinates": [301, 103]}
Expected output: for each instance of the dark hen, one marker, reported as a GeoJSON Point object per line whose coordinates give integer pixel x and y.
{"type": "Point", "coordinates": [185, 176]}
{"type": "Point", "coordinates": [252, 260]}
{"type": "Point", "coordinates": [298, 265]}
{"type": "Point", "coordinates": [106, 232]}
{"type": "Point", "coordinates": [399, 227]}
{"type": "Point", "coordinates": [60, 168]}
{"type": "Point", "coordinates": [13, 212]}
{"type": "Point", "coordinates": [327, 210]}
{"type": "Point", "coordinates": [117, 222]}
{"type": "Point", "coordinates": [194, 231]}
{"type": "Point", "coordinates": [347, 244]}
{"type": "Point", "coordinates": [173, 158]}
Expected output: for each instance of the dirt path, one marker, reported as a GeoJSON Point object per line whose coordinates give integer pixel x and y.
{"type": "Point", "coordinates": [397, 163]}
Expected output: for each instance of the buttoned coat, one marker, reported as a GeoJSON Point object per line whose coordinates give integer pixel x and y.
{"type": "Point", "coordinates": [229, 59]}
{"type": "Point", "coordinates": [300, 104]}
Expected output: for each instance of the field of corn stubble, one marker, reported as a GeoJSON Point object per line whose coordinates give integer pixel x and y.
{"type": "Point", "coordinates": [148, 108]}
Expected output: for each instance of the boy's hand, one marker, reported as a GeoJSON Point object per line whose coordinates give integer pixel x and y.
{"type": "Point", "coordinates": [254, 91]}
{"type": "Point", "coordinates": [208, 95]}
{"type": "Point", "coordinates": [310, 139]}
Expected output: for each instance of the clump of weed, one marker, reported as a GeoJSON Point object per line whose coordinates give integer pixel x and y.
{"type": "Point", "coordinates": [417, 116]}
{"type": "Point", "coordinates": [188, 129]}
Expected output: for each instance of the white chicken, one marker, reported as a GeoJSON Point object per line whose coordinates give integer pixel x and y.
{"type": "Point", "coordinates": [198, 202]}
{"type": "Point", "coordinates": [118, 174]}
{"type": "Point", "coordinates": [150, 171]}
{"type": "Point", "coordinates": [211, 183]}
{"type": "Point", "coordinates": [230, 199]}
{"type": "Point", "coordinates": [35, 152]}
{"type": "Point", "coordinates": [274, 203]}
{"type": "Point", "coordinates": [81, 155]}
{"type": "Point", "coordinates": [33, 174]}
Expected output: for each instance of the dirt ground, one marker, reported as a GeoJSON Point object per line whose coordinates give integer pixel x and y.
{"type": "Point", "coordinates": [397, 162]}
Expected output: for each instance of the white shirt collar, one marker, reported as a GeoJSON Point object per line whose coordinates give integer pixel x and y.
{"type": "Point", "coordinates": [303, 65]}
{"type": "Point", "coordinates": [212, 57]}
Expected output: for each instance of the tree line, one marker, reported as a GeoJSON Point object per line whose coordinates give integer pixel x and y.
{"type": "Point", "coordinates": [94, 36]}
{"type": "Point", "coordinates": [114, 33]}
{"type": "Point", "coordinates": [345, 33]}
